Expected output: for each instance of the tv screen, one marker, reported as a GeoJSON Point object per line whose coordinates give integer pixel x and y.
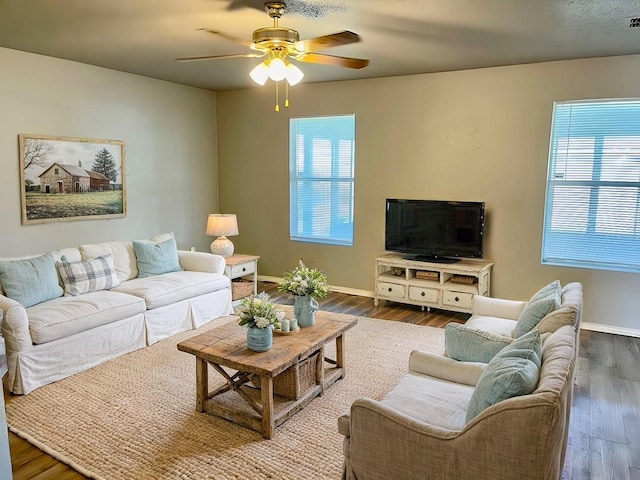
{"type": "Point", "coordinates": [434, 230]}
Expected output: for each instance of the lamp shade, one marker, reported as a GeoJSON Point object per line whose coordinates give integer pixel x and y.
{"type": "Point", "coordinates": [222, 225]}
{"type": "Point", "coordinates": [260, 73]}
{"type": "Point", "coordinates": [294, 74]}
{"type": "Point", "coordinates": [277, 70]}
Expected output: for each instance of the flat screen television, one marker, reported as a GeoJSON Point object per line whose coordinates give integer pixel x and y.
{"type": "Point", "coordinates": [434, 230]}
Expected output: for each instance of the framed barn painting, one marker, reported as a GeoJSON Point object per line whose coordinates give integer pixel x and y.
{"type": "Point", "coordinates": [65, 178]}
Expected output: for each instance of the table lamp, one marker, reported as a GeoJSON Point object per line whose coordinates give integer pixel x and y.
{"type": "Point", "coordinates": [222, 225]}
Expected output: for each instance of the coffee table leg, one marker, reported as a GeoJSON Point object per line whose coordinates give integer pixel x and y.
{"type": "Point", "coordinates": [202, 383]}
{"type": "Point", "coordinates": [266, 387]}
{"type": "Point", "coordinates": [340, 354]}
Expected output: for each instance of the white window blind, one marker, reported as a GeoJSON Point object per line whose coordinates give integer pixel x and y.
{"type": "Point", "coordinates": [322, 154]}
{"type": "Point", "coordinates": [592, 209]}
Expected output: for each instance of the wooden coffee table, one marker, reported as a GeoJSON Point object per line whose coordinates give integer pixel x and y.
{"type": "Point", "coordinates": [240, 400]}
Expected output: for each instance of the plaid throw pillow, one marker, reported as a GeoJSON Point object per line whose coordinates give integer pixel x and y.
{"type": "Point", "coordinates": [88, 276]}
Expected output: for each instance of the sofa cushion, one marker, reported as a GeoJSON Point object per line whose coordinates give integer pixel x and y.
{"type": "Point", "coordinates": [514, 371]}
{"type": "Point", "coordinates": [156, 258]}
{"type": "Point", "coordinates": [431, 400]}
{"type": "Point", "coordinates": [65, 316]}
{"type": "Point", "coordinates": [468, 344]}
{"type": "Point", "coordinates": [88, 275]}
{"type": "Point", "coordinates": [124, 257]}
{"type": "Point", "coordinates": [544, 301]}
{"type": "Point", "coordinates": [160, 290]}
{"type": "Point", "coordinates": [497, 325]}
{"type": "Point", "coordinates": [30, 281]}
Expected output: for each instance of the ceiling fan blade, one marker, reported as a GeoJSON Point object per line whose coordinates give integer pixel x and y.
{"type": "Point", "coordinates": [218, 57]}
{"type": "Point", "coordinates": [323, 59]}
{"type": "Point", "coordinates": [326, 41]}
{"type": "Point", "coordinates": [229, 37]}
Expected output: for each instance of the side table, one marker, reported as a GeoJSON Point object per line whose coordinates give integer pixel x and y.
{"type": "Point", "coordinates": [240, 266]}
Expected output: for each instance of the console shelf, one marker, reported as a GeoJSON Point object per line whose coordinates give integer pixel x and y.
{"type": "Point", "coordinates": [447, 286]}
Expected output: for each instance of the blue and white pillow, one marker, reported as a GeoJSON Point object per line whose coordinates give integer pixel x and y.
{"type": "Point", "coordinates": [88, 275]}
{"type": "Point", "coordinates": [30, 281]}
{"type": "Point", "coordinates": [468, 344]}
{"type": "Point", "coordinates": [156, 258]}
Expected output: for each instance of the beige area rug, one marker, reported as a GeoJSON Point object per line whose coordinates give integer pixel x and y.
{"type": "Point", "coordinates": [134, 417]}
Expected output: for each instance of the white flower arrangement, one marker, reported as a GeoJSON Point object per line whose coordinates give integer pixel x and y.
{"type": "Point", "coordinates": [303, 280]}
{"type": "Point", "coordinates": [259, 311]}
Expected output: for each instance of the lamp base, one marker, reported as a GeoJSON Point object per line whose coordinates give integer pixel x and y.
{"type": "Point", "coordinates": [222, 246]}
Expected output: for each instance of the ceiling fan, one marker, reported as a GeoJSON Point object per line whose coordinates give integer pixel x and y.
{"type": "Point", "coordinates": [281, 44]}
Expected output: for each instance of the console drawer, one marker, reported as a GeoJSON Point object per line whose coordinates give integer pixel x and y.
{"type": "Point", "coordinates": [457, 299]}
{"type": "Point", "coordinates": [421, 294]}
{"type": "Point", "coordinates": [391, 290]}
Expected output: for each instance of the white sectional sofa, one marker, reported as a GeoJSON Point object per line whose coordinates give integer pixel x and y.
{"type": "Point", "coordinates": [103, 319]}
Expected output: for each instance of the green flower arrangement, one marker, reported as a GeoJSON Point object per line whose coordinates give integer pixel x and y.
{"type": "Point", "coordinates": [303, 280]}
{"type": "Point", "coordinates": [259, 311]}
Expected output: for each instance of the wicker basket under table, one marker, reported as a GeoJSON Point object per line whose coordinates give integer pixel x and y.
{"type": "Point", "coordinates": [240, 288]}
{"type": "Point", "coordinates": [295, 380]}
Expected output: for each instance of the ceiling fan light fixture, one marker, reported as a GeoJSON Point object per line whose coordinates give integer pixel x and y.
{"type": "Point", "coordinates": [277, 69]}
{"type": "Point", "coordinates": [260, 73]}
{"type": "Point", "coordinates": [293, 74]}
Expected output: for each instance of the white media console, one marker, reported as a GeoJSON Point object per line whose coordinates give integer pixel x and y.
{"type": "Point", "coordinates": [447, 286]}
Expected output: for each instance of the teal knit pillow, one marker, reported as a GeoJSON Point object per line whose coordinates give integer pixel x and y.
{"type": "Point", "coordinates": [156, 258]}
{"type": "Point", "coordinates": [514, 371]}
{"type": "Point", "coordinates": [468, 344]}
{"type": "Point", "coordinates": [543, 302]}
{"type": "Point", "coordinates": [31, 280]}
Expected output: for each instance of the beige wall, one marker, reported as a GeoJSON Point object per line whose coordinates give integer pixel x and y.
{"type": "Point", "coordinates": [171, 151]}
{"type": "Point", "coordinates": [472, 135]}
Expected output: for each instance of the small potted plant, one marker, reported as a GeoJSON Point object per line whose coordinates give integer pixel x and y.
{"type": "Point", "coordinates": [305, 284]}
{"type": "Point", "coordinates": [260, 315]}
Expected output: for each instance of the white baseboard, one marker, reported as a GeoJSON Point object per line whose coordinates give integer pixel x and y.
{"type": "Point", "coordinates": [594, 327]}
{"type": "Point", "coordinates": [349, 291]}
{"type": "Point", "coordinates": [598, 327]}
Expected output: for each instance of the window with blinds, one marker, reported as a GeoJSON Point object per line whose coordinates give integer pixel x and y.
{"type": "Point", "coordinates": [322, 154]}
{"type": "Point", "coordinates": [592, 209]}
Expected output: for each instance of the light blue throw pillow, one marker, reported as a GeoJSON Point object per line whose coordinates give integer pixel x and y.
{"type": "Point", "coordinates": [514, 371]}
{"type": "Point", "coordinates": [468, 344]}
{"type": "Point", "coordinates": [543, 302]}
{"type": "Point", "coordinates": [31, 280]}
{"type": "Point", "coordinates": [156, 258]}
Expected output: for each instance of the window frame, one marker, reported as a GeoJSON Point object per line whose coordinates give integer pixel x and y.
{"type": "Point", "coordinates": [595, 240]}
{"type": "Point", "coordinates": [300, 174]}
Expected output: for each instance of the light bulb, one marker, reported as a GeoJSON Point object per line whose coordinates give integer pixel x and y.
{"type": "Point", "coordinates": [293, 74]}
{"type": "Point", "coordinates": [277, 70]}
{"type": "Point", "coordinates": [260, 73]}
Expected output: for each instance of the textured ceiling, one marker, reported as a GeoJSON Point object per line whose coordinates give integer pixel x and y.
{"type": "Point", "coordinates": [399, 37]}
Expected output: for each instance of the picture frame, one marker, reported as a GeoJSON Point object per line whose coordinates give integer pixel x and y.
{"type": "Point", "coordinates": [66, 179]}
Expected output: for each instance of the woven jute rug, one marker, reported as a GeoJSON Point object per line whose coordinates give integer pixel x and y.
{"type": "Point", "coordinates": [134, 417]}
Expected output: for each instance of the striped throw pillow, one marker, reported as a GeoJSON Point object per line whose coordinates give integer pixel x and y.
{"type": "Point", "coordinates": [88, 276]}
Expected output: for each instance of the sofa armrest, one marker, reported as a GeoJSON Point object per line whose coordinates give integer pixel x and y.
{"type": "Point", "coordinates": [445, 368]}
{"type": "Point", "coordinates": [15, 325]}
{"type": "Point", "coordinates": [384, 443]}
{"type": "Point", "coordinates": [201, 262]}
{"type": "Point", "coordinates": [516, 438]}
{"type": "Point", "coordinates": [496, 307]}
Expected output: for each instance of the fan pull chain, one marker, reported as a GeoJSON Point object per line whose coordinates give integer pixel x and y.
{"type": "Point", "coordinates": [277, 101]}
{"type": "Point", "coordinates": [286, 89]}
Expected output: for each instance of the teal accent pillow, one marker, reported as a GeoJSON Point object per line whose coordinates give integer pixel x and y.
{"type": "Point", "coordinates": [468, 344]}
{"type": "Point", "coordinates": [31, 280]}
{"type": "Point", "coordinates": [156, 258]}
{"type": "Point", "coordinates": [543, 302]}
{"type": "Point", "coordinates": [514, 371]}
